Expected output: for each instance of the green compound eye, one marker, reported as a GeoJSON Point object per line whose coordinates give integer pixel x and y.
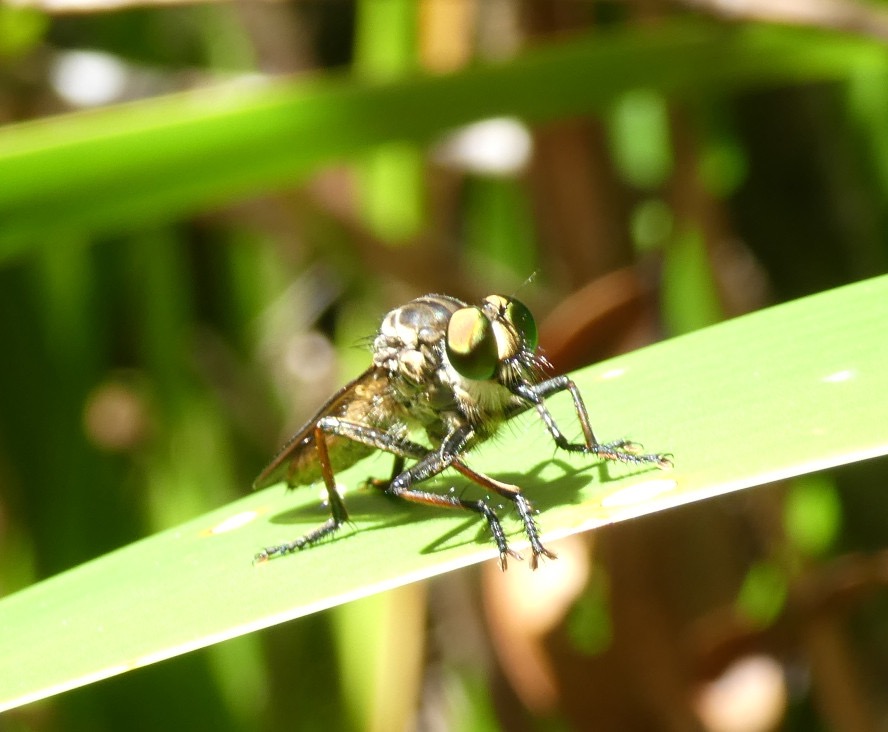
{"type": "Point", "coordinates": [518, 315]}
{"type": "Point", "coordinates": [471, 344]}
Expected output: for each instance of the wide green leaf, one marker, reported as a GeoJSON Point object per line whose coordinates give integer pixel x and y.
{"type": "Point", "coordinates": [789, 390]}
{"type": "Point", "coordinates": [155, 160]}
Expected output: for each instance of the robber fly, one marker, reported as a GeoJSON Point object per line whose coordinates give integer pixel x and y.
{"type": "Point", "coordinates": [456, 372]}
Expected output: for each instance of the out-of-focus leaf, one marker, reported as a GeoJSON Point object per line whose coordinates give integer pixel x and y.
{"type": "Point", "coordinates": [112, 169]}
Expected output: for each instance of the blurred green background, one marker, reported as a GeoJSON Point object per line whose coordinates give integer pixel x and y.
{"type": "Point", "coordinates": [185, 278]}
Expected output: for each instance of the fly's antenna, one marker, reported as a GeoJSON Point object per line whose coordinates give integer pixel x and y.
{"type": "Point", "coordinates": [527, 282]}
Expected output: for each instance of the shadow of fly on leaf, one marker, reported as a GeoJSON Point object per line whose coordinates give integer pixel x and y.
{"type": "Point", "coordinates": [457, 372]}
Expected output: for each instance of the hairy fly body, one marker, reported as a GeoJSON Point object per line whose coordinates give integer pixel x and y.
{"type": "Point", "coordinates": [456, 372]}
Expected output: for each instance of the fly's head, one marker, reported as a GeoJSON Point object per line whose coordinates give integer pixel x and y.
{"type": "Point", "coordinates": [494, 341]}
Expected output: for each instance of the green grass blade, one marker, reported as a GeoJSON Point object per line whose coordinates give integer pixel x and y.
{"type": "Point", "coordinates": [786, 391]}
{"type": "Point", "coordinates": [155, 160]}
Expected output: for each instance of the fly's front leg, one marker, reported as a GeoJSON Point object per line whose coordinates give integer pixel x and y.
{"type": "Point", "coordinates": [621, 450]}
{"type": "Point", "coordinates": [338, 514]}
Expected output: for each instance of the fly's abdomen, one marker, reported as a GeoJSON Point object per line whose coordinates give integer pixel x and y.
{"type": "Point", "coordinates": [366, 401]}
{"type": "Point", "coordinates": [304, 467]}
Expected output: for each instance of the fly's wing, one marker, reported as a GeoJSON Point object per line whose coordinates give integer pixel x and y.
{"type": "Point", "coordinates": [297, 463]}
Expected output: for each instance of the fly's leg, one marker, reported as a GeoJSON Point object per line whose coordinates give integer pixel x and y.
{"type": "Point", "coordinates": [383, 483]}
{"type": "Point", "coordinates": [525, 510]}
{"type": "Point", "coordinates": [446, 456]}
{"type": "Point", "coordinates": [432, 463]}
{"type": "Point", "coordinates": [429, 464]}
{"type": "Point", "coordinates": [623, 451]}
{"type": "Point", "coordinates": [338, 514]}
{"type": "Point", "coordinates": [428, 498]}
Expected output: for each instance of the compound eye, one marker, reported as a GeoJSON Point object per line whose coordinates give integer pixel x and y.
{"type": "Point", "coordinates": [518, 315]}
{"type": "Point", "coordinates": [471, 344]}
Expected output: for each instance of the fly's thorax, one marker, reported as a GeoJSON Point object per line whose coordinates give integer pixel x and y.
{"type": "Point", "coordinates": [409, 345]}
{"type": "Point", "coordinates": [483, 404]}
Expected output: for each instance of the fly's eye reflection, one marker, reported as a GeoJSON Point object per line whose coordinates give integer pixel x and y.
{"type": "Point", "coordinates": [471, 344]}
{"type": "Point", "coordinates": [435, 371]}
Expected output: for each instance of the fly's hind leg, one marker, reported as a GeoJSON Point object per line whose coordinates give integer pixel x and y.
{"type": "Point", "coordinates": [338, 514]}
{"type": "Point", "coordinates": [428, 464]}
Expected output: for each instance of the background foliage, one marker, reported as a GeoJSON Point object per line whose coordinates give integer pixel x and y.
{"type": "Point", "coordinates": [185, 278]}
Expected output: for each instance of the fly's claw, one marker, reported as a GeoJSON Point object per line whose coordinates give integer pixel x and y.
{"type": "Point", "coordinates": [313, 537]}
{"type": "Point", "coordinates": [526, 511]}
{"type": "Point", "coordinates": [626, 451]}
{"type": "Point", "coordinates": [263, 555]}
{"type": "Point", "coordinates": [268, 552]}
{"type": "Point", "coordinates": [380, 484]}
{"type": "Point", "coordinates": [504, 558]}
{"type": "Point", "coordinates": [538, 551]}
